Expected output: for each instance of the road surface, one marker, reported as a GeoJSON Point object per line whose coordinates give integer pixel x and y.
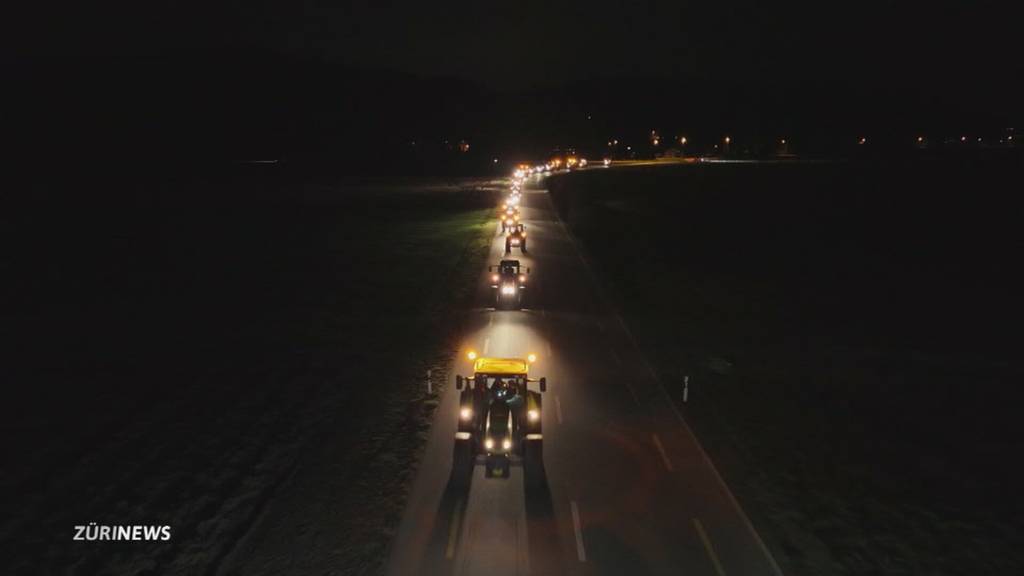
{"type": "Point", "coordinates": [629, 489]}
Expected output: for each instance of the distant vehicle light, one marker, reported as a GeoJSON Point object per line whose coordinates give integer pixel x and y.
{"type": "Point", "coordinates": [607, 162]}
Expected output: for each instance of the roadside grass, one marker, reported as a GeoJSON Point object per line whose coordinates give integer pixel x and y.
{"type": "Point", "coordinates": [211, 343]}
{"type": "Point", "coordinates": [853, 452]}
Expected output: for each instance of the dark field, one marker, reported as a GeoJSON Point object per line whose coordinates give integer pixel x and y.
{"type": "Point", "coordinates": [851, 333]}
{"type": "Point", "coordinates": [186, 353]}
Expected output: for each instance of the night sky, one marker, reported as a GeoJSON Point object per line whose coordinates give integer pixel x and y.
{"type": "Point", "coordinates": [526, 72]}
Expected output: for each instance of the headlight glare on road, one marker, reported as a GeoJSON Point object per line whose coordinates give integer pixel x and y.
{"type": "Point", "coordinates": [508, 289]}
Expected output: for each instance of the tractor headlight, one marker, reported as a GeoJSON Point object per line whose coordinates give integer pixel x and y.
{"type": "Point", "coordinates": [506, 444]}
{"type": "Point", "coordinates": [533, 415]}
{"type": "Point", "coordinates": [494, 278]}
{"type": "Point", "coordinates": [465, 413]}
{"type": "Point", "coordinates": [508, 289]}
{"type": "Point", "coordinates": [489, 444]}
{"type": "Point", "coordinates": [522, 278]}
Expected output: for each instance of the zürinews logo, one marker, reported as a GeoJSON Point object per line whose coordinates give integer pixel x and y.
{"type": "Point", "coordinates": [92, 532]}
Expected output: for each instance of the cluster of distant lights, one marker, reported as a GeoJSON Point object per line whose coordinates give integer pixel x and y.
{"type": "Point", "coordinates": [524, 170]}
{"type": "Point", "coordinates": [656, 140]}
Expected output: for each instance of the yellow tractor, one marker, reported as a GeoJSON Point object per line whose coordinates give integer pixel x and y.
{"type": "Point", "coordinates": [499, 421]}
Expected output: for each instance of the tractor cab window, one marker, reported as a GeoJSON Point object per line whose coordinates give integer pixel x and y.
{"type": "Point", "coordinates": [514, 383]}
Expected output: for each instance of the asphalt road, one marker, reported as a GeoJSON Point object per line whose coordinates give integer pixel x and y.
{"type": "Point", "coordinates": [629, 489]}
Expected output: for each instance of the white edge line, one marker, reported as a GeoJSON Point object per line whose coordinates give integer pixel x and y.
{"type": "Point", "coordinates": [743, 515]}
{"type": "Point", "coordinates": [707, 546]}
{"type": "Point", "coordinates": [581, 553]}
{"type": "Point", "coordinates": [661, 450]}
{"type": "Point", "coordinates": [714, 470]}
